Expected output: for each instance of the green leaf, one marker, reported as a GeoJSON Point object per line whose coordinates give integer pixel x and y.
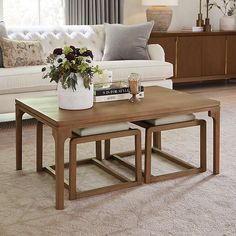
{"type": "Point", "coordinates": [67, 49]}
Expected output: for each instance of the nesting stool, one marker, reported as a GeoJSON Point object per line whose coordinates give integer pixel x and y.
{"type": "Point", "coordinates": [154, 128]}
{"type": "Point", "coordinates": [98, 134]}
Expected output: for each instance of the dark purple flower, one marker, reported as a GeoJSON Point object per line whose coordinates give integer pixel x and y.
{"type": "Point", "coordinates": [72, 47]}
{"type": "Point", "coordinates": [58, 51]}
{"type": "Point", "coordinates": [88, 53]}
{"type": "Point", "coordinates": [70, 56]}
{"type": "Point", "coordinates": [77, 52]}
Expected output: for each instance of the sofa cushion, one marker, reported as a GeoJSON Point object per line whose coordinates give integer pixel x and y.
{"type": "Point", "coordinates": [102, 129]}
{"type": "Point", "coordinates": [172, 119]}
{"type": "Point", "coordinates": [51, 37]}
{"type": "Point", "coordinates": [29, 78]}
{"type": "Point", "coordinates": [3, 30]}
{"type": "Point", "coordinates": [3, 34]}
{"type": "Point", "coordinates": [149, 70]}
{"type": "Point", "coordinates": [23, 79]}
{"type": "Point", "coordinates": [21, 53]}
{"type": "Point", "coordinates": [127, 42]}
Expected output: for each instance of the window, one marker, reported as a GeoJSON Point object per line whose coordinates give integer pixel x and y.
{"type": "Point", "coordinates": [33, 12]}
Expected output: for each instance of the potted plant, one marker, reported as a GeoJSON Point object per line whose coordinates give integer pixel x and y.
{"type": "Point", "coordinates": [228, 9]}
{"type": "Point", "coordinates": [72, 69]}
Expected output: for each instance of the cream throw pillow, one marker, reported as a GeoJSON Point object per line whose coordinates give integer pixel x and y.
{"type": "Point", "coordinates": [21, 53]}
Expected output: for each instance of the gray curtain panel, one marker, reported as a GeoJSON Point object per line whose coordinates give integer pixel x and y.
{"type": "Point", "coordinates": [92, 12]}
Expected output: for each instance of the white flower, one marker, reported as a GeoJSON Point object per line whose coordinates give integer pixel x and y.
{"type": "Point", "coordinates": [60, 59]}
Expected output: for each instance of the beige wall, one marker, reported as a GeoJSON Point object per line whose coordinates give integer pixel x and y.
{"type": "Point", "coordinates": [185, 14]}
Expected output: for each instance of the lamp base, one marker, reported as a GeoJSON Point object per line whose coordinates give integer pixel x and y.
{"type": "Point", "coordinates": [161, 16]}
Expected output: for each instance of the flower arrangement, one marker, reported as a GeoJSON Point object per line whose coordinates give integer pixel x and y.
{"type": "Point", "coordinates": [65, 63]}
{"type": "Point", "coordinates": [228, 7]}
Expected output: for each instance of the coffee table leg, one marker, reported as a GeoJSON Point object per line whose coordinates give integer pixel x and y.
{"type": "Point", "coordinates": [59, 137]}
{"type": "Point", "coordinates": [39, 142]}
{"type": "Point", "coordinates": [215, 114]}
{"type": "Point", "coordinates": [19, 115]}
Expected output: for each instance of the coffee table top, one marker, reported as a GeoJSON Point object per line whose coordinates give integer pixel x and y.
{"type": "Point", "coordinates": [158, 102]}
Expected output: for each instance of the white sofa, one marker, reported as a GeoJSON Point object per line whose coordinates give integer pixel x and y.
{"type": "Point", "coordinates": [27, 81]}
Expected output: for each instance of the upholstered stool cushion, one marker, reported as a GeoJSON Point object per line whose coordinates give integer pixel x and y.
{"type": "Point", "coordinates": [101, 129]}
{"type": "Point", "coordinates": [172, 119]}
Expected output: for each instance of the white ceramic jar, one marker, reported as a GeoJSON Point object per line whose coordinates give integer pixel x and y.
{"type": "Point", "coordinates": [80, 99]}
{"type": "Point", "coordinates": [227, 23]}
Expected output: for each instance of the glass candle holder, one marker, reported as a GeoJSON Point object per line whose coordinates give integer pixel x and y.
{"type": "Point", "coordinates": [134, 87]}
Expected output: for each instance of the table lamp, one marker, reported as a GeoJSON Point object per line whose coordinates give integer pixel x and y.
{"type": "Point", "coordinates": [160, 12]}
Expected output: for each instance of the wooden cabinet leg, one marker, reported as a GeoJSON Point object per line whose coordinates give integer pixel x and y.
{"type": "Point", "coordinates": [39, 147]}
{"type": "Point", "coordinates": [215, 114]}
{"type": "Point", "coordinates": [19, 115]}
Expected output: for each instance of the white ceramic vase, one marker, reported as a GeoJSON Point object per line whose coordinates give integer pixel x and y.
{"type": "Point", "coordinates": [80, 99]}
{"type": "Point", "coordinates": [227, 23]}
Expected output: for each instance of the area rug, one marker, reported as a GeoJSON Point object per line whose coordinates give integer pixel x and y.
{"type": "Point", "coordinates": [202, 204]}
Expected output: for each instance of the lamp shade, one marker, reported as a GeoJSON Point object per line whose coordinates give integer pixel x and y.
{"type": "Point", "coordinates": [160, 2]}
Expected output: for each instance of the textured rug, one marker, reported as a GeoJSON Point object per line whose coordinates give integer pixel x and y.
{"type": "Point", "coordinates": [202, 204]}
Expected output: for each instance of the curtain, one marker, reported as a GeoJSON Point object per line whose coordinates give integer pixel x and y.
{"type": "Point", "coordinates": [92, 12]}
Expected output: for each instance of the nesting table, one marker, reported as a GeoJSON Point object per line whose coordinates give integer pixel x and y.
{"type": "Point", "coordinates": [158, 102]}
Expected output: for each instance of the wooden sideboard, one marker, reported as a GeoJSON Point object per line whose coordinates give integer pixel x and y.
{"type": "Point", "coordinates": [199, 56]}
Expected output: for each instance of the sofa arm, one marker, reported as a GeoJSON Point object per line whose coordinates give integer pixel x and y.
{"type": "Point", "coordinates": [156, 52]}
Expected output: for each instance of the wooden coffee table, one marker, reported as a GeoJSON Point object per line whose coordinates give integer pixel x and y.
{"type": "Point", "coordinates": [158, 102]}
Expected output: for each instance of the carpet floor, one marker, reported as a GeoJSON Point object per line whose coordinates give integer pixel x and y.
{"type": "Point", "coordinates": [202, 204]}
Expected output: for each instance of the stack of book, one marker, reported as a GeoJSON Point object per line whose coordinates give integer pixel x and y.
{"type": "Point", "coordinates": [114, 93]}
{"type": "Point", "coordinates": [192, 29]}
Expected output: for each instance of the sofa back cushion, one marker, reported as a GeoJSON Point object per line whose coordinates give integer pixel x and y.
{"type": "Point", "coordinates": [52, 37]}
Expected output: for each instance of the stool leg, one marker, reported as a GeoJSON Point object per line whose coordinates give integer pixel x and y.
{"type": "Point", "coordinates": [157, 139]}
{"type": "Point", "coordinates": [203, 146]}
{"type": "Point", "coordinates": [148, 156]}
{"type": "Point", "coordinates": [107, 148]}
{"type": "Point", "coordinates": [72, 171]}
{"type": "Point", "coordinates": [138, 157]}
{"type": "Point", "coordinates": [99, 150]}
{"type": "Point", "coordinates": [39, 141]}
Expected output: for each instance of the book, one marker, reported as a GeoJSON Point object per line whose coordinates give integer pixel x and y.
{"type": "Point", "coordinates": [112, 91]}
{"type": "Point", "coordinates": [193, 29]}
{"type": "Point", "coordinates": [116, 97]}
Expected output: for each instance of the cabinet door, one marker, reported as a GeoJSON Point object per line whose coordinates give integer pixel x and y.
{"type": "Point", "coordinates": [231, 55]}
{"type": "Point", "coordinates": [214, 55]}
{"type": "Point", "coordinates": [169, 46]}
{"type": "Point", "coordinates": [189, 56]}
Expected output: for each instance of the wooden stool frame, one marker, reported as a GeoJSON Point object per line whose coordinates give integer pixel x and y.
{"type": "Point", "coordinates": [155, 131]}
{"type": "Point", "coordinates": [126, 182]}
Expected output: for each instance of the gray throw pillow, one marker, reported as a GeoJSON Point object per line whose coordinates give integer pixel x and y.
{"type": "Point", "coordinates": [127, 42]}
{"type": "Point", "coordinates": [3, 34]}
